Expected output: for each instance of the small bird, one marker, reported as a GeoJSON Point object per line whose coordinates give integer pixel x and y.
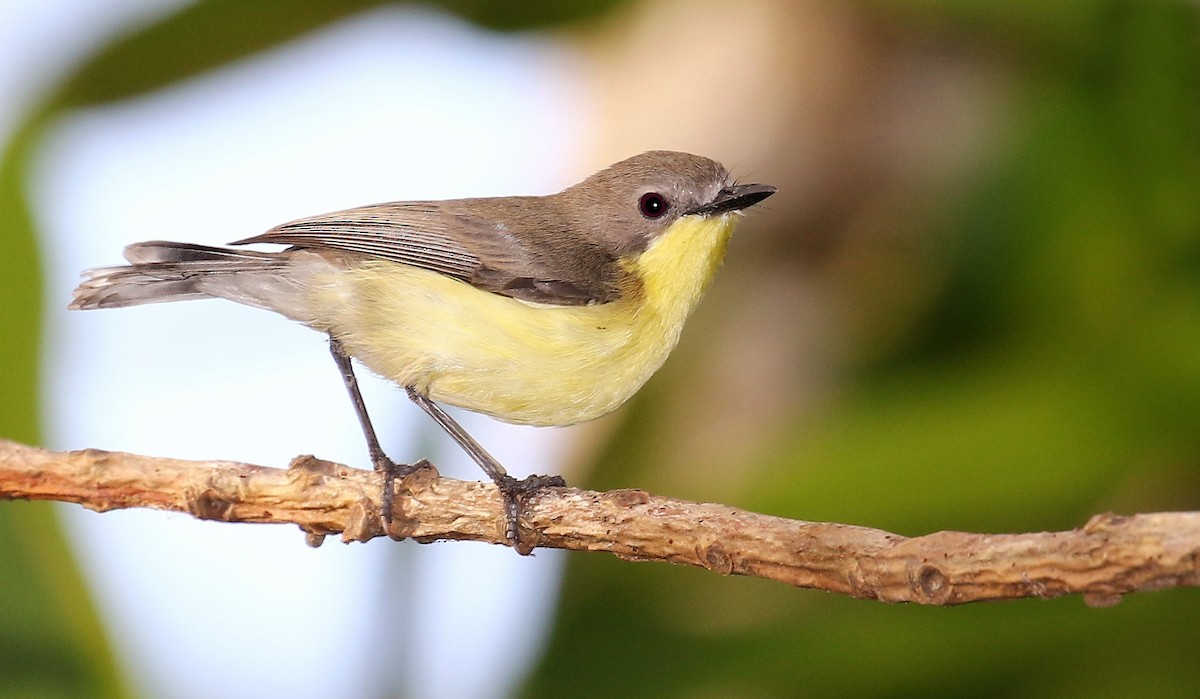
{"type": "Point", "coordinates": [536, 310]}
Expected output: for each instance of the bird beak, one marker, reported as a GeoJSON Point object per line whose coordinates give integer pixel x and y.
{"type": "Point", "coordinates": [735, 198]}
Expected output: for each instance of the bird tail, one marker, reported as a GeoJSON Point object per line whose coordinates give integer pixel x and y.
{"type": "Point", "coordinates": [163, 271]}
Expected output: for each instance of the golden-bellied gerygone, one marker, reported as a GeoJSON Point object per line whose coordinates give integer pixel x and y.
{"type": "Point", "coordinates": [545, 310]}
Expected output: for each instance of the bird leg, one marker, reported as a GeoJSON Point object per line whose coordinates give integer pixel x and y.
{"type": "Point", "coordinates": [515, 492]}
{"type": "Point", "coordinates": [379, 460]}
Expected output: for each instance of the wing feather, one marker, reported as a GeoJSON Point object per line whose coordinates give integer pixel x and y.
{"type": "Point", "coordinates": [508, 247]}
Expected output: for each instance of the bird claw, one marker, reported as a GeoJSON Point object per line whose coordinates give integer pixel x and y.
{"type": "Point", "coordinates": [391, 471]}
{"type": "Point", "coordinates": [516, 494]}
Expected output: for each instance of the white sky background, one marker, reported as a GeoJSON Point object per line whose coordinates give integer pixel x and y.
{"type": "Point", "coordinates": [397, 104]}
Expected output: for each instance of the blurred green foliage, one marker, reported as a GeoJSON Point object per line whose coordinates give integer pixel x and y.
{"type": "Point", "coordinates": [1057, 375]}
{"type": "Point", "coordinates": [51, 642]}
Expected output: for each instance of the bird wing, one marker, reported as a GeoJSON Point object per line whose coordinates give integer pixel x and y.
{"type": "Point", "coordinates": [464, 240]}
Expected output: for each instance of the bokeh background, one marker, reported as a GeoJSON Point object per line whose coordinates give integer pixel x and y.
{"type": "Point", "coordinates": [974, 304]}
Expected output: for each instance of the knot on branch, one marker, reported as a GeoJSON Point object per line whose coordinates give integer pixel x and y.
{"type": "Point", "coordinates": [1107, 558]}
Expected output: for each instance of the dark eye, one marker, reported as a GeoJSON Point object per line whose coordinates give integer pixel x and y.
{"type": "Point", "coordinates": [652, 205]}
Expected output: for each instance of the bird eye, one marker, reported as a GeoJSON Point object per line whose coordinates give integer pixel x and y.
{"type": "Point", "coordinates": [652, 205]}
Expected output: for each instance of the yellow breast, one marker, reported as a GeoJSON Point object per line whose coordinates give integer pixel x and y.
{"type": "Point", "coordinates": [522, 362]}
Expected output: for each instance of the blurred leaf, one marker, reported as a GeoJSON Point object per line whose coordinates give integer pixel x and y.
{"type": "Point", "coordinates": [212, 33]}
{"type": "Point", "coordinates": [529, 14]}
{"type": "Point", "coordinates": [200, 37]}
{"type": "Point", "coordinates": [21, 289]}
{"type": "Point", "coordinates": [51, 642]}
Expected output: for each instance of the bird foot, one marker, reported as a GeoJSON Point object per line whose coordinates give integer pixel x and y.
{"type": "Point", "coordinates": [391, 471]}
{"type": "Point", "coordinates": [516, 494]}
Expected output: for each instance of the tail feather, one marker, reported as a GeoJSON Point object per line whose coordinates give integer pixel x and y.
{"type": "Point", "coordinates": [164, 271]}
{"type": "Point", "coordinates": [165, 251]}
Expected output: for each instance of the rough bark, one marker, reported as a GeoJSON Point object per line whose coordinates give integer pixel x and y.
{"type": "Point", "coordinates": [1108, 557]}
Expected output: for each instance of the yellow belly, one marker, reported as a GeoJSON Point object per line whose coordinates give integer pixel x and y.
{"type": "Point", "coordinates": [521, 362]}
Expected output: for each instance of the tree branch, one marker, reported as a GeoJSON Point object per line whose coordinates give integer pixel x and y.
{"type": "Point", "coordinates": [1108, 557]}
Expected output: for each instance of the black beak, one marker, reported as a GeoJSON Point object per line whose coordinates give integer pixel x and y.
{"type": "Point", "coordinates": [735, 198]}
